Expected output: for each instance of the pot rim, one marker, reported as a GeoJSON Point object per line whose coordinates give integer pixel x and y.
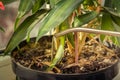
{"type": "Point", "coordinates": [61, 74]}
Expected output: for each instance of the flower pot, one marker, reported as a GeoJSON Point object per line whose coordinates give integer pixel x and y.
{"type": "Point", "coordinates": [25, 73]}
{"type": "Point", "coordinates": [6, 72]}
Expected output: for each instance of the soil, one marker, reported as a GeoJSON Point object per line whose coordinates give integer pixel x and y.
{"type": "Point", "coordinates": [94, 56]}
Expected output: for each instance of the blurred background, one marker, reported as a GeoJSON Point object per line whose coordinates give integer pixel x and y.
{"type": "Point", "coordinates": [7, 19]}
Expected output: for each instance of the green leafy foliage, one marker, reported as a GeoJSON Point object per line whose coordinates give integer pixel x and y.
{"type": "Point", "coordinates": [112, 23]}
{"type": "Point", "coordinates": [1, 29]}
{"type": "Point", "coordinates": [116, 5]}
{"type": "Point", "coordinates": [38, 4]}
{"type": "Point", "coordinates": [85, 18]}
{"type": "Point", "coordinates": [24, 7]}
{"type": "Point", "coordinates": [22, 30]}
{"type": "Point", "coordinates": [111, 11]}
{"type": "Point", "coordinates": [89, 2]}
{"type": "Point", "coordinates": [53, 2]}
{"type": "Point", "coordinates": [117, 28]}
{"type": "Point", "coordinates": [60, 52]}
{"type": "Point", "coordinates": [70, 38]}
{"type": "Point", "coordinates": [106, 24]}
{"type": "Point", "coordinates": [116, 20]}
{"type": "Point", "coordinates": [59, 12]}
{"type": "Point", "coordinates": [108, 3]}
{"type": "Point", "coordinates": [57, 15]}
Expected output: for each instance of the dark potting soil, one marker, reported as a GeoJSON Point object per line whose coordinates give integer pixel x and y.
{"type": "Point", "coordinates": [93, 57]}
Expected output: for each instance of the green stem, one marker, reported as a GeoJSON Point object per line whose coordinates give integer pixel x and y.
{"type": "Point", "coordinates": [59, 55]}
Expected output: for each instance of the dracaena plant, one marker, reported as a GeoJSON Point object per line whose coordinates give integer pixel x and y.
{"type": "Point", "coordinates": [62, 15]}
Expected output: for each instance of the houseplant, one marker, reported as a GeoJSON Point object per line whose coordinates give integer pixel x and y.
{"type": "Point", "coordinates": [62, 15]}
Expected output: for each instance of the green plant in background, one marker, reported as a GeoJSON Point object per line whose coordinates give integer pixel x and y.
{"type": "Point", "coordinates": [62, 15]}
{"type": "Point", "coordinates": [1, 29]}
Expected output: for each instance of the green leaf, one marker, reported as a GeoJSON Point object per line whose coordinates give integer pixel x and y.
{"type": "Point", "coordinates": [116, 5]}
{"type": "Point", "coordinates": [53, 2]}
{"type": "Point", "coordinates": [57, 15]}
{"type": "Point", "coordinates": [60, 51]}
{"type": "Point", "coordinates": [85, 18]}
{"type": "Point", "coordinates": [116, 23]}
{"type": "Point", "coordinates": [70, 37]}
{"type": "Point", "coordinates": [108, 3]}
{"type": "Point", "coordinates": [111, 11]}
{"type": "Point", "coordinates": [1, 29]}
{"type": "Point", "coordinates": [117, 28]}
{"type": "Point", "coordinates": [111, 22]}
{"type": "Point", "coordinates": [117, 41]}
{"type": "Point", "coordinates": [59, 54]}
{"type": "Point", "coordinates": [22, 30]}
{"type": "Point", "coordinates": [38, 4]}
{"type": "Point", "coordinates": [116, 20]}
{"type": "Point", "coordinates": [24, 7]}
{"type": "Point", "coordinates": [89, 2]}
{"type": "Point", "coordinates": [106, 23]}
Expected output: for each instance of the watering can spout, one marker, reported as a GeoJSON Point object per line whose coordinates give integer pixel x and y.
{"type": "Point", "coordinates": [88, 30]}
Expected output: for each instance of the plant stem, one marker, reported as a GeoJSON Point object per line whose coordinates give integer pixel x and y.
{"type": "Point", "coordinates": [99, 7]}
{"type": "Point", "coordinates": [76, 47]}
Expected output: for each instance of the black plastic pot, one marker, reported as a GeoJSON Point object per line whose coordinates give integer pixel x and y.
{"type": "Point", "coordinates": [28, 74]}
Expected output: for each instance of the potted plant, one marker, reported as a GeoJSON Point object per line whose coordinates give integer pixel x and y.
{"type": "Point", "coordinates": [62, 56]}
